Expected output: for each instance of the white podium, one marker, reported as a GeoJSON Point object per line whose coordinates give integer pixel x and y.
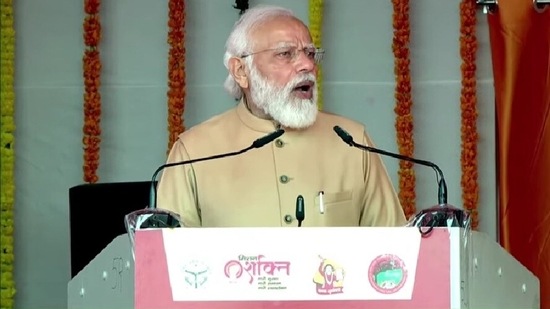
{"type": "Point", "coordinates": [322, 268]}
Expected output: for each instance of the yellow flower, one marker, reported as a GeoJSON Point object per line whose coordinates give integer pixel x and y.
{"type": "Point", "coordinates": [315, 28]}
{"type": "Point", "coordinates": [7, 128]}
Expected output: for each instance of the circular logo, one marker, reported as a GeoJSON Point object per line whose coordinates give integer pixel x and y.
{"type": "Point", "coordinates": [387, 274]}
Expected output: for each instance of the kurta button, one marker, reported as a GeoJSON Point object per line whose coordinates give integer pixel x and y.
{"type": "Point", "coordinates": [279, 143]}
{"type": "Point", "coordinates": [283, 179]}
{"type": "Point", "coordinates": [288, 218]}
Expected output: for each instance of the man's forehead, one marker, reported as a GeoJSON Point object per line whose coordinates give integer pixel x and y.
{"type": "Point", "coordinates": [282, 32]}
{"type": "Point", "coordinates": [270, 42]}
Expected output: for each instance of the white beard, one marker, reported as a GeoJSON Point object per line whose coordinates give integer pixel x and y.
{"type": "Point", "coordinates": [279, 103]}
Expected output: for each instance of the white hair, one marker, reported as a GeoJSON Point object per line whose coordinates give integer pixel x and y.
{"type": "Point", "coordinates": [238, 43]}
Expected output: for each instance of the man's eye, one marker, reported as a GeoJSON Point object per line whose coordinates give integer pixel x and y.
{"type": "Point", "coordinates": [284, 54]}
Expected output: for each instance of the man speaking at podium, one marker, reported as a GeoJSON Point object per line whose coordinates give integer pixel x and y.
{"type": "Point", "coordinates": [272, 69]}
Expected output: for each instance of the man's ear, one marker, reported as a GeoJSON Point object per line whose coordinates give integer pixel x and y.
{"type": "Point", "coordinates": [237, 70]}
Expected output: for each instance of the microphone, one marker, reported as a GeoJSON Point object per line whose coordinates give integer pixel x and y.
{"type": "Point", "coordinates": [258, 143]}
{"type": "Point", "coordinates": [151, 217]}
{"type": "Point", "coordinates": [442, 185]}
{"type": "Point", "coordinates": [442, 215]}
{"type": "Point", "coordinates": [300, 210]}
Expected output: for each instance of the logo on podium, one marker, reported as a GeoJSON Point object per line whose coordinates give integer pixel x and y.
{"type": "Point", "coordinates": [329, 277]}
{"type": "Point", "coordinates": [195, 274]}
{"type": "Point", "coordinates": [256, 270]}
{"type": "Point", "coordinates": [387, 274]}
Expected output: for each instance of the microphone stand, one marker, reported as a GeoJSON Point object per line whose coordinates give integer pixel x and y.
{"type": "Point", "coordinates": [153, 217]}
{"type": "Point", "coordinates": [441, 215]}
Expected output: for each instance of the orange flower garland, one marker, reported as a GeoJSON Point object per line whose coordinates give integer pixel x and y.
{"type": "Point", "coordinates": [468, 101]}
{"type": "Point", "coordinates": [92, 97]}
{"type": "Point", "coordinates": [403, 108]}
{"type": "Point", "coordinates": [176, 69]}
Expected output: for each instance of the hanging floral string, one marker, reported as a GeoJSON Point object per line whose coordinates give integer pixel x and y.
{"type": "Point", "coordinates": [92, 96]}
{"type": "Point", "coordinates": [468, 107]}
{"type": "Point", "coordinates": [241, 5]}
{"type": "Point", "coordinates": [315, 28]}
{"type": "Point", "coordinates": [7, 54]}
{"type": "Point", "coordinates": [176, 69]}
{"type": "Point", "coordinates": [403, 109]}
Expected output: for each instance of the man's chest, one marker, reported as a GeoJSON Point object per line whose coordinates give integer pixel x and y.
{"type": "Point", "coordinates": [261, 189]}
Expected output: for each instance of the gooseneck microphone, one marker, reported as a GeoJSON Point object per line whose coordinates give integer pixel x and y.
{"type": "Point", "coordinates": [442, 185]}
{"type": "Point", "coordinates": [300, 210]}
{"type": "Point", "coordinates": [260, 142]}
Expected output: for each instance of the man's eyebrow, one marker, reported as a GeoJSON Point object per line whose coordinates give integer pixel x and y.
{"type": "Point", "coordinates": [284, 44]}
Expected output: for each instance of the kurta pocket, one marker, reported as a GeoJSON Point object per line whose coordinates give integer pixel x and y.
{"type": "Point", "coordinates": [337, 209]}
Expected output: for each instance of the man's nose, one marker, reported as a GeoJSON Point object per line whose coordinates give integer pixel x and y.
{"type": "Point", "coordinates": [304, 63]}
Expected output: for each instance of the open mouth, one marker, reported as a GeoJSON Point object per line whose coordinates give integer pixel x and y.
{"type": "Point", "coordinates": [304, 86]}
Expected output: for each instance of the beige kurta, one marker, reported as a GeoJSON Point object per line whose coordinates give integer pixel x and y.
{"type": "Point", "coordinates": [259, 188]}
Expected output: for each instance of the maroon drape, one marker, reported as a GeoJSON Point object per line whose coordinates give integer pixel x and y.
{"type": "Point", "coordinates": [520, 45]}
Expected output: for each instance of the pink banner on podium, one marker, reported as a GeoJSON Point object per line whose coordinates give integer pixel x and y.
{"type": "Point", "coordinates": [292, 268]}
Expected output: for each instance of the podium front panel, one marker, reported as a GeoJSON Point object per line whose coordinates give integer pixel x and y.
{"type": "Point", "coordinates": [321, 268]}
{"type": "Point", "coordinates": [107, 281]}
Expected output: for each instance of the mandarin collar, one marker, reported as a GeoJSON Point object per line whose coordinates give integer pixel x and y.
{"type": "Point", "coordinates": [253, 122]}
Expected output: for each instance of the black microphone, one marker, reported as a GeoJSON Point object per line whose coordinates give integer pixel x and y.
{"type": "Point", "coordinates": [300, 210]}
{"type": "Point", "coordinates": [442, 185]}
{"type": "Point", "coordinates": [260, 142]}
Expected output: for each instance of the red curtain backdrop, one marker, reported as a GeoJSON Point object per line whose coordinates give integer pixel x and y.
{"type": "Point", "coordinates": [520, 44]}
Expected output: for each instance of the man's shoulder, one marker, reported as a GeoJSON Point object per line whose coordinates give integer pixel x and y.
{"type": "Point", "coordinates": [211, 127]}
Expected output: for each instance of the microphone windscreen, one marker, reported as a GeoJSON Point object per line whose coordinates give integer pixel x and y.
{"type": "Point", "coordinates": [345, 136]}
{"type": "Point", "coordinates": [262, 141]}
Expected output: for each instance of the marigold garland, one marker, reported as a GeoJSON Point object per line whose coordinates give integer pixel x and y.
{"type": "Point", "coordinates": [7, 55]}
{"type": "Point", "coordinates": [92, 97]}
{"type": "Point", "coordinates": [315, 28]}
{"type": "Point", "coordinates": [176, 69]}
{"type": "Point", "coordinates": [468, 107]}
{"type": "Point", "coordinates": [403, 109]}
